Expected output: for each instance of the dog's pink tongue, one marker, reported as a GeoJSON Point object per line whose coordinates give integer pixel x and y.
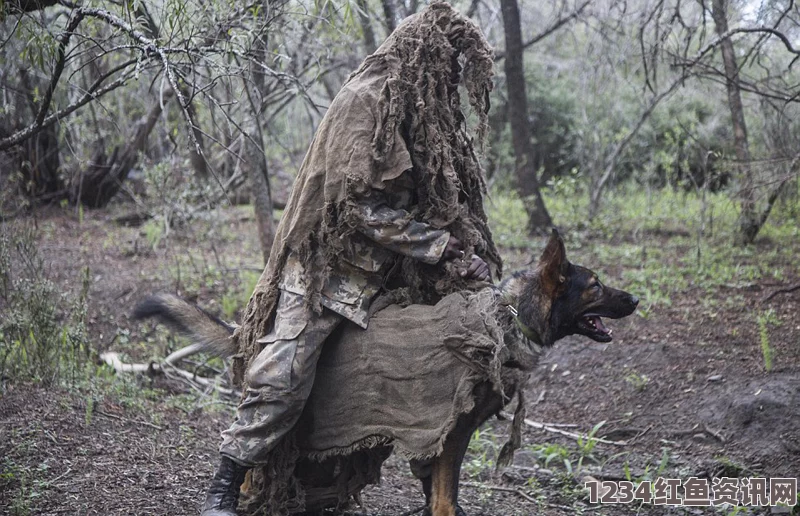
{"type": "Point", "coordinates": [598, 323]}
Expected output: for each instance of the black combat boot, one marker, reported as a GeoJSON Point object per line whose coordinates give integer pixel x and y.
{"type": "Point", "coordinates": [223, 495]}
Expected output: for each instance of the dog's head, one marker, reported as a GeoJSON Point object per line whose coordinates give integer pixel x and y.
{"type": "Point", "coordinates": [559, 298]}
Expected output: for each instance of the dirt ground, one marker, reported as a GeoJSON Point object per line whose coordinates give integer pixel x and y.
{"type": "Point", "coordinates": [683, 392]}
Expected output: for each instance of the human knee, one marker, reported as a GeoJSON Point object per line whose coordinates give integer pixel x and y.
{"type": "Point", "coordinates": [272, 368]}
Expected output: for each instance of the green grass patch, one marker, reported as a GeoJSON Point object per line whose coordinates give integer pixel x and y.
{"type": "Point", "coordinates": [657, 243]}
{"type": "Point", "coordinates": [765, 320]}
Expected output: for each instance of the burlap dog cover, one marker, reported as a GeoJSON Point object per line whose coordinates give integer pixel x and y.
{"type": "Point", "coordinates": [405, 379]}
{"type": "Point", "coordinates": [401, 384]}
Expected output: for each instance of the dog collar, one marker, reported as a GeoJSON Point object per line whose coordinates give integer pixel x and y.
{"type": "Point", "coordinates": [526, 330]}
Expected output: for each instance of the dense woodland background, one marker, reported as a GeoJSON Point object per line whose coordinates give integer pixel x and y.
{"type": "Point", "coordinates": [150, 145]}
{"type": "Point", "coordinates": [218, 97]}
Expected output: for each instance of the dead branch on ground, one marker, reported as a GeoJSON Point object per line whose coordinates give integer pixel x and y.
{"type": "Point", "coordinates": [169, 368]}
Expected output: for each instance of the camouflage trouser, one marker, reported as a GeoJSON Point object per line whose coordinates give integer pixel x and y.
{"type": "Point", "coordinates": [278, 381]}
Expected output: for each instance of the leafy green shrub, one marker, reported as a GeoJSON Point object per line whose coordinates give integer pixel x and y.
{"type": "Point", "coordinates": [42, 330]}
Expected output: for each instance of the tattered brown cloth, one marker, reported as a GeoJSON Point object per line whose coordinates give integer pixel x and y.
{"type": "Point", "coordinates": [402, 383]}
{"type": "Point", "coordinates": [400, 109]}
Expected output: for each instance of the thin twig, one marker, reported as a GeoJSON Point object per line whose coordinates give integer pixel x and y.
{"type": "Point", "coordinates": [518, 491]}
{"type": "Point", "coordinates": [561, 425]}
{"type": "Point", "coordinates": [560, 22]}
{"type": "Point", "coordinates": [713, 433]}
{"type": "Point", "coordinates": [550, 428]}
{"type": "Point", "coordinates": [640, 434]}
{"type": "Point", "coordinates": [785, 290]}
{"type": "Point", "coordinates": [114, 416]}
{"type": "Point", "coordinates": [515, 490]}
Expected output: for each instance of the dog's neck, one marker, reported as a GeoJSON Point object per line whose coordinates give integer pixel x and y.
{"type": "Point", "coordinates": [529, 333]}
{"type": "Point", "coordinates": [510, 290]}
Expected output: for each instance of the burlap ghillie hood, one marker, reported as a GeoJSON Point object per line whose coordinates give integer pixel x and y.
{"type": "Point", "coordinates": [400, 109]}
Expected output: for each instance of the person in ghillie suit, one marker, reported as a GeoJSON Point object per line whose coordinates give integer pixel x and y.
{"type": "Point", "coordinates": [390, 195]}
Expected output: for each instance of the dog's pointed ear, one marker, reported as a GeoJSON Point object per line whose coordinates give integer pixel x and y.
{"type": "Point", "coordinates": [553, 265]}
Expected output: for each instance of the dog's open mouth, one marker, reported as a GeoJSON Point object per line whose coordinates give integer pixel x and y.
{"type": "Point", "coordinates": [592, 326]}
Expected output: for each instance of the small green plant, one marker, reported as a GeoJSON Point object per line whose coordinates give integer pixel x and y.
{"type": "Point", "coordinates": [765, 319]}
{"type": "Point", "coordinates": [237, 297]}
{"type": "Point", "coordinates": [87, 415]}
{"type": "Point", "coordinates": [21, 500]}
{"type": "Point", "coordinates": [663, 463]}
{"type": "Point", "coordinates": [586, 446]}
{"type": "Point", "coordinates": [638, 381]}
{"type": "Point", "coordinates": [230, 305]}
{"type": "Point", "coordinates": [649, 474]}
{"type": "Point", "coordinates": [728, 467]}
{"type": "Point", "coordinates": [734, 511]}
{"type": "Point", "coordinates": [153, 232]}
{"type": "Point", "coordinates": [626, 470]}
{"type": "Point", "coordinates": [482, 452]}
{"type": "Point", "coordinates": [547, 453]}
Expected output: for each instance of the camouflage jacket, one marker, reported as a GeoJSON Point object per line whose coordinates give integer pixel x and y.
{"type": "Point", "coordinates": [387, 228]}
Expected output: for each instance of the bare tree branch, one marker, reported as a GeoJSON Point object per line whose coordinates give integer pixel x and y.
{"type": "Point", "coordinates": [744, 30]}
{"type": "Point", "coordinates": [91, 94]}
{"type": "Point", "coordinates": [560, 22]}
{"type": "Point", "coordinates": [26, 6]}
{"type": "Point", "coordinates": [63, 41]}
{"type": "Point", "coordinates": [611, 161]}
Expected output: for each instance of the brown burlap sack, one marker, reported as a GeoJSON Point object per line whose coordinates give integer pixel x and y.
{"type": "Point", "coordinates": [402, 383]}
{"type": "Point", "coordinates": [404, 380]}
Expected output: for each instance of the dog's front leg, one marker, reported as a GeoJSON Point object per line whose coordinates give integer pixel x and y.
{"type": "Point", "coordinates": [446, 472]}
{"type": "Point", "coordinates": [447, 466]}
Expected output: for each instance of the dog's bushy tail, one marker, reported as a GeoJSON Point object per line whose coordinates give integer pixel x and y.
{"type": "Point", "coordinates": [211, 333]}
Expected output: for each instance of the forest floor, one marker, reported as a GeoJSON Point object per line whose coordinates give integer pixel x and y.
{"type": "Point", "coordinates": [683, 390]}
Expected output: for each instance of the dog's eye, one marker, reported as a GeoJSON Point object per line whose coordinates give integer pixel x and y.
{"type": "Point", "coordinates": [597, 286]}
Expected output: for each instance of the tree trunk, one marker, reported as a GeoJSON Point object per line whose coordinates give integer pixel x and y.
{"type": "Point", "coordinates": [105, 176]}
{"type": "Point", "coordinates": [539, 220]}
{"type": "Point", "coordinates": [38, 158]}
{"type": "Point", "coordinates": [255, 155]}
{"type": "Point", "coordinates": [749, 220]}
{"type": "Point", "coordinates": [40, 163]}
{"type": "Point", "coordinates": [262, 196]}
{"type": "Point", "coordinates": [390, 13]}
{"type": "Point", "coordinates": [366, 26]}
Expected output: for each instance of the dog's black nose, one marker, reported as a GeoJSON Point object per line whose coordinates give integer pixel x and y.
{"type": "Point", "coordinates": [633, 300]}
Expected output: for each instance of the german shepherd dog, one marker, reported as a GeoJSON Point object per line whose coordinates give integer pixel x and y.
{"type": "Point", "coordinates": [551, 301]}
